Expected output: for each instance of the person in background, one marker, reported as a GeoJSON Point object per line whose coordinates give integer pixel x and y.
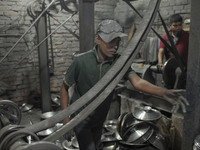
{"type": "Point", "coordinates": [88, 68]}
{"type": "Point", "coordinates": [180, 38]}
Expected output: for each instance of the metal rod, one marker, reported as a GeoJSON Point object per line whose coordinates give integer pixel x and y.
{"type": "Point", "coordinates": [70, 31]}
{"type": "Point", "coordinates": [133, 8]}
{"type": "Point", "coordinates": [26, 31]}
{"type": "Point", "coordinates": [37, 46]}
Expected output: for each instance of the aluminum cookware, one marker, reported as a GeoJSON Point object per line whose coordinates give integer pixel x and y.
{"type": "Point", "coordinates": [47, 115]}
{"type": "Point", "coordinates": [110, 125]}
{"type": "Point", "coordinates": [46, 132]}
{"type": "Point", "coordinates": [55, 98]}
{"type": "Point", "coordinates": [158, 141]}
{"type": "Point", "coordinates": [26, 107]}
{"type": "Point", "coordinates": [136, 132]}
{"type": "Point", "coordinates": [147, 114]}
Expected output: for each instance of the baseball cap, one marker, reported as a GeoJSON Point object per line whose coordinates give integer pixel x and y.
{"type": "Point", "coordinates": [109, 29]}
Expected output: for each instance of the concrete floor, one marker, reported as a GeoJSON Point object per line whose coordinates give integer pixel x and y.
{"type": "Point", "coordinates": [31, 116]}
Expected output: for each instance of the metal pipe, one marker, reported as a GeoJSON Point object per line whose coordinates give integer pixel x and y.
{"type": "Point", "coordinates": [36, 46]}
{"type": "Point", "coordinates": [26, 31]}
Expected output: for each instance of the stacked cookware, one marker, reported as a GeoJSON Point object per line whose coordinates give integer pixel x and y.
{"type": "Point", "coordinates": [135, 131]}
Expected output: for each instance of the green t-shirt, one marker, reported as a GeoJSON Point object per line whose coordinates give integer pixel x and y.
{"type": "Point", "coordinates": [85, 71]}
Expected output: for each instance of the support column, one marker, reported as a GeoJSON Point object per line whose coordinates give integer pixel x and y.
{"type": "Point", "coordinates": [86, 24]}
{"type": "Point", "coordinates": [191, 126]}
{"type": "Point", "coordinates": [44, 64]}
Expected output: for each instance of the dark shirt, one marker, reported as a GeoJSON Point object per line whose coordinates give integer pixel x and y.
{"type": "Point", "coordinates": [85, 71]}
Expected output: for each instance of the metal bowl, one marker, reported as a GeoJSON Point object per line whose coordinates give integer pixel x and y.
{"type": "Point", "coordinates": [158, 141]}
{"type": "Point", "coordinates": [56, 99]}
{"type": "Point", "coordinates": [67, 145]}
{"type": "Point", "coordinates": [26, 107]}
{"type": "Point", "coordinates": [130, 146]}
{"type": "Point", "coordinates": [47, 115]}
{"type": "Point", "coordinates": [46, 132]}
{"type": "Point", "coordinates": [111, 145]}
{"type": "Point", "coordinates": [110, 125]}
{"type": "Point", "coordinates": [147, 114]}
{"type": "Point", "coordinates": [75, 142]}
{"type": "Point", "coordinates": [136, 132]}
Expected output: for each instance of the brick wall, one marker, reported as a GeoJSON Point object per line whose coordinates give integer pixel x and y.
{"type": "Point", "coordinates": [15, 21]}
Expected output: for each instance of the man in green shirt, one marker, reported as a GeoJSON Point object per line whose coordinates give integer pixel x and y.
{"type": "Point", "coordinates": [88, 68]}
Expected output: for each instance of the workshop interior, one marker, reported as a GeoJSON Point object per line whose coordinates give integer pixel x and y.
{"type": "Point", "coordinates": [39, 39]}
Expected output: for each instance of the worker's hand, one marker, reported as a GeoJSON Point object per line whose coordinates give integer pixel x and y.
{"type": "Point", "coordinates": [159, 67]}
{"type": "Point", "coordinates": [176, 98]}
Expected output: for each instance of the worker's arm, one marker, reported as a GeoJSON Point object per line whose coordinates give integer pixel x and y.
{"type": "Point", "coordinates": [173, 96]}
{"type": "Point", "coordinates": [160, 56]}
{"type": "Point", "coordinates": [64, 99]}
{"type": "Point", "coordinates": [145, 86]}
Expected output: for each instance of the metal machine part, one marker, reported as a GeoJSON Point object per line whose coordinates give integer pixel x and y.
{"type": "Point", "coordinates": [21, 137]}
{"type": "Point", "coordinates": [171, 77]}
{"type": "Point", "coordinates": [144, 70]}
{"type": "Point", "coordinates": [9, 113]}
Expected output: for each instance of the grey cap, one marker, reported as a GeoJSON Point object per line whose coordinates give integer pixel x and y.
{"type": "Point", "coordinates": [109, 29]}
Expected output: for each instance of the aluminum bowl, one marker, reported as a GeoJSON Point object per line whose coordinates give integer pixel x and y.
{"type": "Point", "coordinates": [147, 114]}
{"type": "Point", "coordinates": [47, 115]}
{"type": "Point", "coordinates": [56, 99]}
{"type": "Point", "coordinates": [26, 107]}
{"type": "Point", "coordinates": [46, 132]}
{"type": "Point", "coordinates": [110, 125]}
{"type": "Point", "coordinates": [67, 145]}
{"type": "Point", "coordinates": [136, 132]}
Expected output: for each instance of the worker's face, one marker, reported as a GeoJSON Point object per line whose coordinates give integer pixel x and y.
{"type": "Point", "coordinates": [176, 28]}
{"type": "Point", "coordinates": [107, 49]}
